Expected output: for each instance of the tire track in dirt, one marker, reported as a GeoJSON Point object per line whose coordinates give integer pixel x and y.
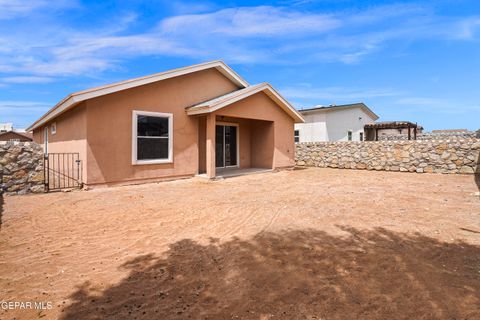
{"type": "Point", "coordinates": [239, 226]}
{"type": "Point", "coordinates": [272, 220]}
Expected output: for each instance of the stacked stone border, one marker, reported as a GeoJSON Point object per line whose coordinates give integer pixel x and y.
{"type": "Point", "coordinates": [431, 156]}
{"type": "Point", "coordinates": [432, 136]}
{"type": "Point", "coordinates": [21, 168]}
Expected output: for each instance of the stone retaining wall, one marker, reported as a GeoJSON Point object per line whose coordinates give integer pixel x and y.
{"type": "Point", "coordinates": [447, 156]}
{"type": "Point", "coordinates": [431, 136]}
{"type": "Point", "coordinates": [21, 168]}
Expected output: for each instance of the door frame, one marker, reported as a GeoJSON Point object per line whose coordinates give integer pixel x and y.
{"type": "Point", "coordinates": [45, 140]}
{"type": "Point", "coordinates": [232, 124]}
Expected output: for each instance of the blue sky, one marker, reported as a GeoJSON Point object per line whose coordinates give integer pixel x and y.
{"type": "Point", "coordinates": [407, 60]}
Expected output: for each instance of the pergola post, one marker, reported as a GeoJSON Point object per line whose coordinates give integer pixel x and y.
{"type": "Point", "coordinates": [409, 135]}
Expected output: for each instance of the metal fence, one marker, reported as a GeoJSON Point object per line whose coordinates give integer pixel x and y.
{"type": "Point", "coordinates": [62, 171]}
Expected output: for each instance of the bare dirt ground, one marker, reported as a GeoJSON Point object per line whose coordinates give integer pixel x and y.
{"type": "Point", "coordinates": [303, 244]}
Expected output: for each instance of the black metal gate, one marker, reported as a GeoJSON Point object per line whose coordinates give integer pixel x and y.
{"type": "Point", "coordinates": [62, 171]}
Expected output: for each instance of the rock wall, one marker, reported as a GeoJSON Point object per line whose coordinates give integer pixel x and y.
{"type": "Point", "coordinates": [21, 168]}
{"type": "Point", "coordinates": [431, 136]}
{"type": "Point", "coordinates": [439, 156]}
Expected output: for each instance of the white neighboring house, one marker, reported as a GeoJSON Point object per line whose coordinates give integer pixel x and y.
{"type": "Point", "coordinates": [334, 123]}
{"type": "Point", "coordinates": [5, 127]}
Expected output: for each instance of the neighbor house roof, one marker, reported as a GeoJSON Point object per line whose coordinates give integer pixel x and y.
{"type": "Point", "coordinates": [227, 99]}
{"type": "Point", "coordinates": [74, 99]}
{"type": "Point", "coordinates": [450, 131]}
{"type": "Point", "coordinates": [26, 135]}
{"type": "Point", "coordinates": [392, 125]}
{"type": "Point", "coordinates": [360, 105]}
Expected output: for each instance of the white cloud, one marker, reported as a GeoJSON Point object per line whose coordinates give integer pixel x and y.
{"type": "Point", "coordinates": [20, 112]}
{"type": "Point", "coordinates": [435, 105]}
{"type": "Point", "coordinates": [10, 9]}
{"type": "Point", "coordinates": [356, 56]}
{"type": "Point", "coordinates": [185, 7]}
{"type": "Point", "coordinates": [330, 95]}
{"type": "Point", "coordinates": [26, 79]}
{"type": "Point", "coordinates": [22, 104]}
{"type": "Point", "coordinates": [261, 21]}
{"type": "Point", "coordinates": [419, 101]}
{"type": "Point", "coordinates": [263, 34]}
{"type": "Point", "coordinates": [468, 28]}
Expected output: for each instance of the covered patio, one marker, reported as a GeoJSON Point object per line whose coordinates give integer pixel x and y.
{"type": "Point", "coordinates": [223, 173]}
{"type": "Point", "coordinates": [247, 131]}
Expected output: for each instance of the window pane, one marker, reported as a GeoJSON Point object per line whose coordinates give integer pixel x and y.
{"type": "Point", "coordinates": [152, 148]}
{"type": "Point", "coordinates": [152, 126]}
{"type": "Point", "coordinates": [219, 146]}
{"type": "Point", "coordinates": [230, 146]}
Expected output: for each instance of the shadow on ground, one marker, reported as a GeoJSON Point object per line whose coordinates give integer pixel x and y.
{"type": "Point", "coordinates": [304, 274]}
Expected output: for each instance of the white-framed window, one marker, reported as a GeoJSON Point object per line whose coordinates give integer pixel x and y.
{"type": "Point", "coordinates": [361, 136]}
{"type": "Point", "coordinates": [296, 134]}
{"type": "Point", "coordinates": [349, 135]}
{"type": "Point", "coordinates": [152, 137]}
{"type": "Point", "coordinates": [53, 128]}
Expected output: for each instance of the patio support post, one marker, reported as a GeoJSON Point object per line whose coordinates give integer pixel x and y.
{"type": "Point", "coordinates": [210, 146]}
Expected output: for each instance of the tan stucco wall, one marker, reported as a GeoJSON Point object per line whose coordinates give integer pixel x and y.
{"type": "Point", "coordinates": [100, 129]}
{"type": "Point", "coordinates": [202, 144]}
{"type": "Point", "coordinates": [244, 136]}
{"type": "Point", "coordinates": [109, 127]}
{"type": "Point", "coordinates": [256, 141]}
{"type": "Point", "coordinates": [262, 148]}
{"type": "Point", "coordinates": [70, 135]}
{"type": "Point", "coordinates": [260, 107]}
{"type": "Point", "coordinates": [244, 140]}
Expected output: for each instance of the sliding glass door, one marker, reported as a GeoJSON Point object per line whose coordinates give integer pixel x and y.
{"type": "Point", "coordinates": [226, 148]}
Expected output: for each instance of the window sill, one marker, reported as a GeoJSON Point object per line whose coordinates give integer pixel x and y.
{"type": "Point", "coordinates": [142, 162]}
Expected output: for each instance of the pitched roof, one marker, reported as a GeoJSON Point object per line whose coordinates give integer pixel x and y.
{"type": "Point", "coordinates": [74, 99]}
{"type": "Point", "coordinates": [360, 105]}
{"type": "Point", "coordinates": [450, 130]}
{"type": "Point", "coordinates": [27, 135]}
{"type": "Point", "coordinates": [227, 99]}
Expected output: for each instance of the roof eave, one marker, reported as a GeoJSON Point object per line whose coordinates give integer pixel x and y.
{"type": "Point", "coordinates": [67, 103]}
{"type": "Point", "coordinates": [80, 96]}
{"type": "Point", "coordinates": [263, 87]}
{"type": "Point", "coordinates": [361, 105]}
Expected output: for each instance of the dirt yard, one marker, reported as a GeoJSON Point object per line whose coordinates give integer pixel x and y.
{"type": "Point", "coordinates": [303, 244]}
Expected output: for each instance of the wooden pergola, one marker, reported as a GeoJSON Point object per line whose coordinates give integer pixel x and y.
{"type": "Point", "coordinates": [393, 125]}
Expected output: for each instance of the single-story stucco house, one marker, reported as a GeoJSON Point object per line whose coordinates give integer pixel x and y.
{"type": "Point", "coordinates": [334, 123]}
{"type": "Point", "coordinates": [184, 122]}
